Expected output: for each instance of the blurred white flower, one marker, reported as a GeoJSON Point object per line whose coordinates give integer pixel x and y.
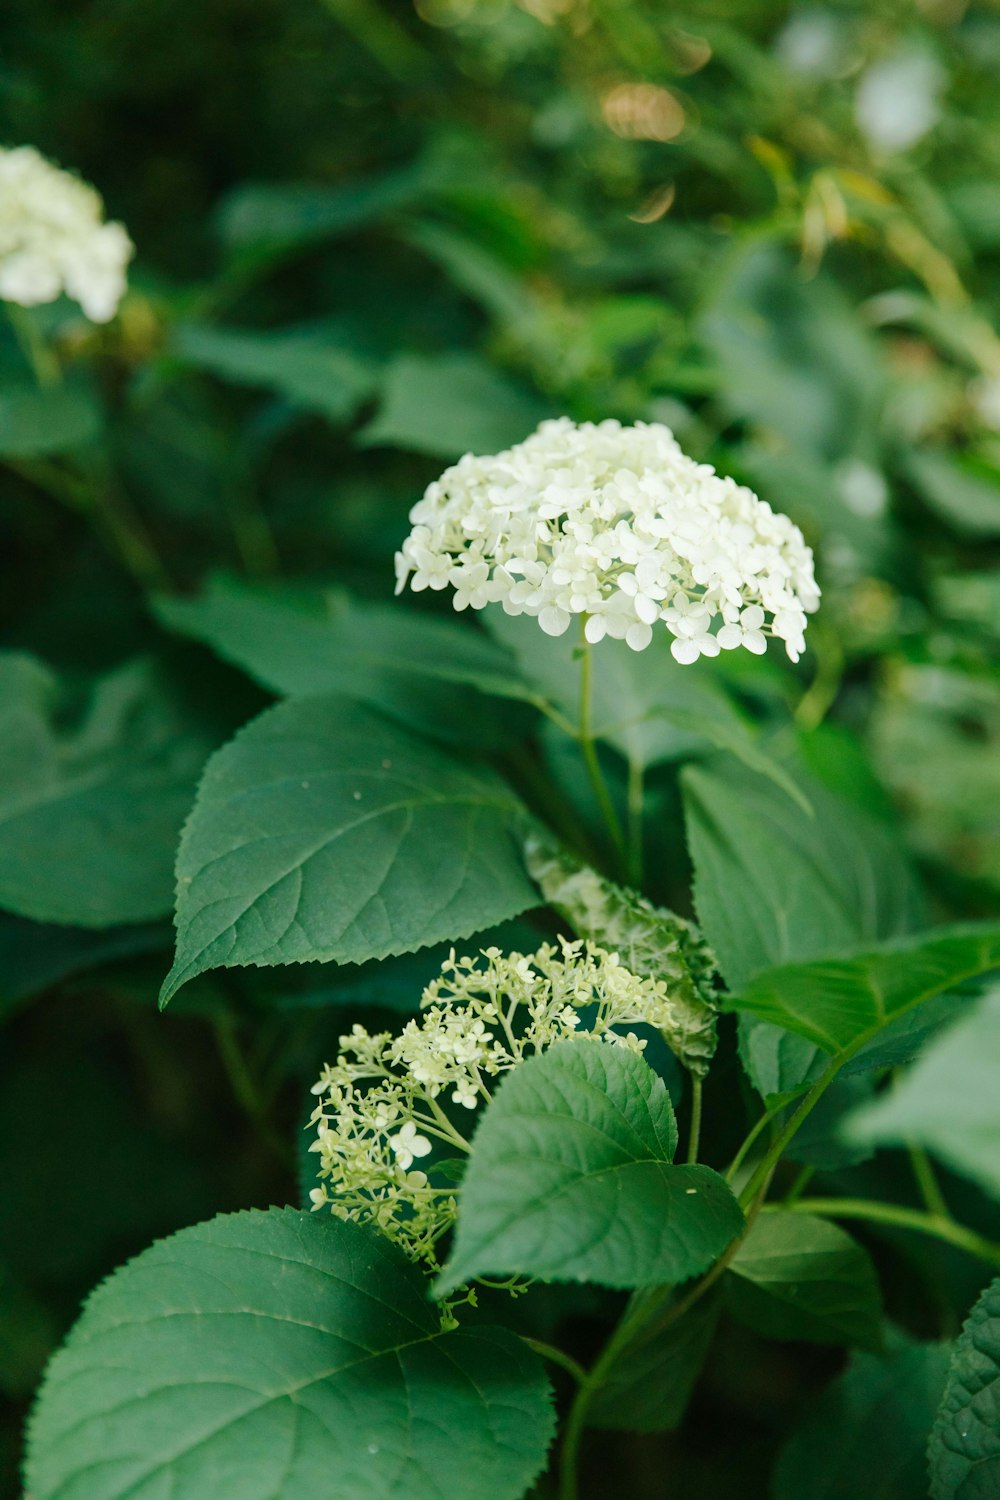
{"type": "Point", "coordinates": [53, 238]}
{"type": "Point", "coordinates": [617, 525]}
{"type": "Point", "coordinates": [896, 102]}
{"type": "Point", "coordinates": [812, 44]}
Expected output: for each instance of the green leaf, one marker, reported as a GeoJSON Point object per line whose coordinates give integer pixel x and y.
{"type": "Point", "coordinates": [772, 885]}
{"type": "Point", "coordinates": [648, 1385]}
{"type": "Point", "coordinates": [840, 1003]}
{"type": "Point", "coordinates": [645, 704]}
{"type": "Point", "coordinates": [34, 957]}
{"type": "Point", "coordinates": [799, 1277]}
{"type": "Point", "coordinates": [949, 1101]}
{"type": "Point", "coordinates": [964, 1448]}
{"type": "Point", "coordinates": [276, 1356]}
{"type": "Point", "coordinates": [90, 813]}
{"type": "Point", "coordinates": [792, 355]}
{"type": "Point", "coordinates": [450, 404]}
{"type": "Point", "coordinates": [867, 1434]}
{"type": "Point", "coordinates": [325, 832]}
{"type": "Point", "coordinates": [299, 642]}
{"type": "Point", "coordinates": [271, 218]}
{"type": "Point", "coordinates": [316, 376]}
{"type": "Point", "coordinates": [650, 941]}
{"type": "Point", "coordinates": [962, 491]}
{"type": "Point", "coordinates": [36, 422]}
{"type": "Point", "coordinates": [570, 1179]}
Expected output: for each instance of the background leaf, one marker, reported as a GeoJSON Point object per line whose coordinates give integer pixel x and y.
{"type": "Point", "coordinates": [799, 1277]}
{"type": "Point", "coordinates": [325, 832]}
{"type": "Point", "coordinates": [948, 1101]}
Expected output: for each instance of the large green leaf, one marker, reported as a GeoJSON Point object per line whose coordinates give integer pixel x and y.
{"type": "Point", "coordinates": [570, 1179]}
{"type": "Point", "coordinates": [772, 884]}
{"type": "Point", "coordinates": [324, 831]}
{"type": "Point", "coordinates": [649, 1382]}
{"type": "Point", "coordinates": [36, 422]}
{"type": "Point", "coordinates": [450, 404]}
{"type": "Point", "coordinates": [317, 376]}
{"type": "Point", "coordinates": [841, 1002]}
{"type": "Point", "coordinates": [964, 1449]}
{"type": "Point", "coordinates": [298, 641]}
{"type": "Point", "coordinates": [34, 956]}
{"type": "Point", "coordinates": [867, 1435]}
{"type": "Point", "coordinates": [949, 1101]}
{"type": "Point", "coordinates": [90, 812]}
{"type": "Point", "coordinates": [799, 1277]}
{"type": "Point", "coordinates": [276, 1356]}
{"type": "Point", "coordinates": [645, 704]}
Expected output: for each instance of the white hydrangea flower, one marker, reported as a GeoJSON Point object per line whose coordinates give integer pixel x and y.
{"type": "Point", "coordinates": [53, 238]}
{"type": "Point", "coordinates": [381, 1101]}
{"type": "Point", "coordinates": [617, 525]}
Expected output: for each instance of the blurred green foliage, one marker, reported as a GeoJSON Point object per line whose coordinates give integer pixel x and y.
{"type": "Point", "coordinates": [372, 235]}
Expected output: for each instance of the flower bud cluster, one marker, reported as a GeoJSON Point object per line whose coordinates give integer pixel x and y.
{"type": "Point", "coordinates": [390, 1101]}
{"type": "Point", "coordinates": [53, 238]}
{"type": "Point", "coordinates": [618, 525]}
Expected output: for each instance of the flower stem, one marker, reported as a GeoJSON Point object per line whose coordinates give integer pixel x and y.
{"type": "Point", "coordinates": [43, 360]}
{"type": "Point", "coordinates": [589, 750]}
{"type": "Point", "coordinates": [695, 1134]}
{"type": "Point", "coordinates": [556, 1357]}
{"type": "Point", "coordinates": [903, 1218]}
{"type": "Point", "coordinates": [636, 780]}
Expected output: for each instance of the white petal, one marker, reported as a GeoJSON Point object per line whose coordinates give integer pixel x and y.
{"type": "Point", "coordinates": [686, 652]}
{"type": "Point", "coordinates": [595, 629]}
{"type": "Point", "coordinates": [755, 641]}
{"type": "Point", "coordinates": [639, 636]}
{"type": "Point", "coordinates": [553, 620]}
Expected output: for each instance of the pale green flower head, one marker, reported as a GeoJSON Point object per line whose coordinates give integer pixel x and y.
{"type": "Point", "coordinates": [390, 1101]}
{"type": "Point", "coordinates": [54, 238]}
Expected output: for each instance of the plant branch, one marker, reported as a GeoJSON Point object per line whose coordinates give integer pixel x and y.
{"type": "Point", "coordinates": [935, 1225]}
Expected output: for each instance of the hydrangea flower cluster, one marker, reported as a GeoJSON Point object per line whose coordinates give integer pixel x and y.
{"type": "Point", "coordinates": [53, 238]}
{"type": "Point", "coordinates": [383, 1103]}
{"type": "Point", "coordinates": [615, 524]}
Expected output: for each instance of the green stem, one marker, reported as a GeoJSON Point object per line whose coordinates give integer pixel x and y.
{"type": "Point", "coordinates": [589, 750]}
{"type": "Point", "coordinates": [751, 1137]}
{"type": "Point", "coordinates": [245, 1089]}
{"type": "Point", "coordinates": [798, 1187]}
{"type": "Point", "coordinates": [636, 784]}
{"type": "Point", "coordinates": [43, 360]}
{"type": "Point", "coordinates": [903, 1218]}
{"type": "Point", "coordinates": [927, 1183]}
{"type": "Point", "coordinates": [556, 1357]}
{"type": "Point", "coordinates": [766, 1166]}
{"type": "Point", "coordinates": [695, 1134]}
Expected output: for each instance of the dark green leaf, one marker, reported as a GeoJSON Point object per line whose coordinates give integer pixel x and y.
{"type": "Point", "coordinates": [90, 815]}
{"type": "Point", "coordinates": [964, 1449]}
{"type": "Point", "coordinates": [949, 1101]}
{"type": "Point", "coordinates": [275, 1356]}
{"type": "Point", "coordinates": [298, 642]}
{"type": "Point", "coordinates": [647, 1387]}
{"type": "Point", "coordinates": [799, 1277]}
{"type": "Point", "coordinates": [772, 884]}
{"type": "Point", "coordinates": [34, 957]}
{"type": "Point", "coordinates": [317, 376]}
{"type": "Point", "coordinates": [570, 1179]}
{"type": "Point", "coordinates": [867, 1435]}
{"type": "Point", "coordinates": [839, 1003]}
{"type": "Point", "coordinates": [450, 404]}
{"type": "Point", "coordinates": [325, 832]}
{"type": "Point", "coordinates": [965, 495]}
{"type": "Point", "coordinates": [36, 422]}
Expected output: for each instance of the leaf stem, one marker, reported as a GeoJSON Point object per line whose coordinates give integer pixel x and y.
{"type": "Point", "coordinates": [556, 1357]}
{"type": "Point", "coordinates": [766, 1166]}
{"type": "Point", "coordinates": [694, 1137]}
{"type": "Point", "coordinates": [930, 1190]}
{"type": "Point", "coordinates": [942, 1228]}
{"type": "Point", "coordinates": [754, 1131]}
{"type": "Point", "coordinates": [589, 750]}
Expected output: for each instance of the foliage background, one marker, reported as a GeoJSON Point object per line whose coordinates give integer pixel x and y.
{"type": "Point", "coordinates": [431, 227]}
